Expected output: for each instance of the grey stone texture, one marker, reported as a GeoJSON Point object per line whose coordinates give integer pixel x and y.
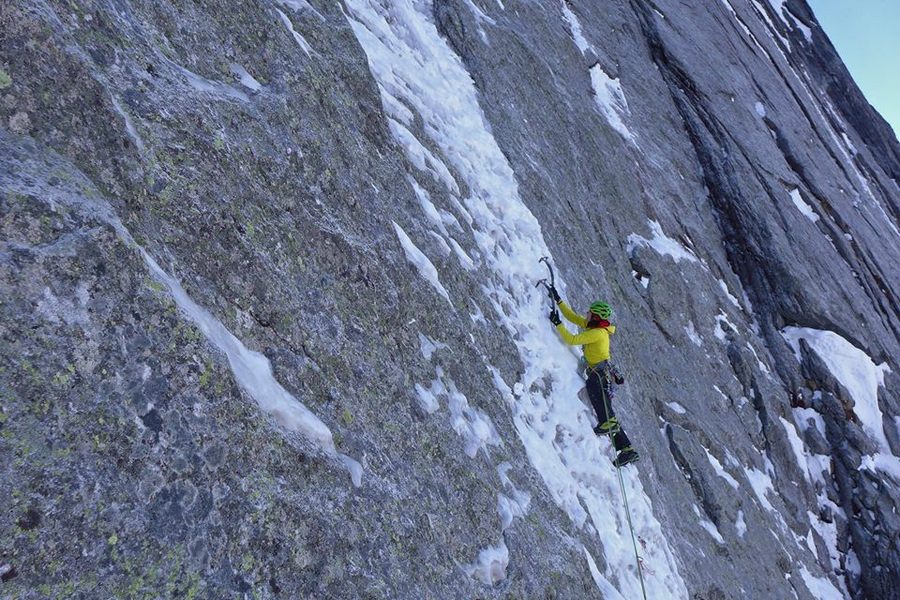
{"type": "Point", "coordinates": [134, 466]}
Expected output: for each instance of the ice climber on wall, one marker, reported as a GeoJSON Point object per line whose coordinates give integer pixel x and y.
{"type": "Point", "coordinates": [599, 371]}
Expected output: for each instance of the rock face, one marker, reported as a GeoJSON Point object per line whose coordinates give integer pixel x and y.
{"type": "Point", "coordinates": [250, 251]}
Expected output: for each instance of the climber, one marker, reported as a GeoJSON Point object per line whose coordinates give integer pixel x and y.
{"type": "Point", "coordinates": [600, 372]}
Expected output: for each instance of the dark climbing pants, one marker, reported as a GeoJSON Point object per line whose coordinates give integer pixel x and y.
{"type": "Point", "coordinates": [599, 389]}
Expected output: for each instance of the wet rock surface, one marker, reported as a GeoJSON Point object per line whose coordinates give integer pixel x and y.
{"type": "Point", "coordinates": [263, 172]}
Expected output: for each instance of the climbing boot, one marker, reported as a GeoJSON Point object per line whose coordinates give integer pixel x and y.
{"type": "Point", "coordinates": [626, 457]}
{"type": "Point", "coordinates": [609, 427]}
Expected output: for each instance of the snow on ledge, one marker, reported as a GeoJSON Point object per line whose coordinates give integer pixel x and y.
{"type": "Point", "coordinates": [820, 587]}
{"type": "Point", "coordinates": [803, 206]}
{"type": "Point", "coordinates": [853, 369]}
{"type": "Point", "coordinates": [661, 243]}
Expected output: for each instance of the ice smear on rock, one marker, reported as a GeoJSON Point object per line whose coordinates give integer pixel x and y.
{"type": "Point", "coordinates": [491, 565]}
{"type": "Point", "coordinates": [247, 80]}
{"type": "Point", "coordinates": [410, 60]}
{"type": "Point", "coordinates": [426, 269]}
{"type": "Point", "coordinates": [574, 27]}
{"type": "Point", "coordinates": [301, 41]}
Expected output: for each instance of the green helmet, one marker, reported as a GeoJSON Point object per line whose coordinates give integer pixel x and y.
{"type": "Point", "coordinates": [601, 309]}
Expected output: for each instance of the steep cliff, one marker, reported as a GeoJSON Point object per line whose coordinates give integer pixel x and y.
{"type": "Point", "coordinates": [270, 326]}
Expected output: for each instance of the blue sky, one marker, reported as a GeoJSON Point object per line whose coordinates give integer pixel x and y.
{"type": "Point", "coordinates": [866, 33]}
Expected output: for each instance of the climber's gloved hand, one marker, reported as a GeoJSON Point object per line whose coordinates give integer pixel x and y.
{"type": "Point", "coordinates": [554, 317]}
{"type": "Point", "coordinates": [619, 380]}
{"type": "Point", "coordinates": [554, 295]}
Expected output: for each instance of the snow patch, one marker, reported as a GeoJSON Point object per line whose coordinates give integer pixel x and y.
{"type": "Point", "coordinates": [644, 280]}
{"type": "Point", "coordinates": [611, 101]}
{"type": "Point", "coordinates": [740, 525]}
{"type": "Point", "coordinates": [798, 24]}
{"type": "Point", "coordinates": [516, 506]}
{"type": "Point", "coordinates": [760, 109]}
{"type": "Point", "coordinates": [762, 485]}
{"type": "Point", "coordinates": [471, 424]}
{"type": "Point", "coordinates": [428, 207]}
{"type": "Point", "coordinates": [428, 346]}
{"type": "Point", "coordinates": [708, 525]}
{"type": "Point", "coordinates": [693, 335]}
{"type": "Point", "coordinates": [464, 259]}
{"type": "Point", "coordinates": [676, 407]}
{"type": "Point", "coordinates": [731, 298]}
{"type": "Point", "coordinates": [820, 587]}
{"type": "Point", "coordinates": [796, 445]}
{"type": "Point", "coordinates": [720, 470]}
{"type": "Point", "coordinates": [421, 157]}
{"type": "Point", "coordinates": [721, 323]}
{"type": "Point", "coordinates": [606, 588]}
{"type": "Point", "coordinates": [802, 206]}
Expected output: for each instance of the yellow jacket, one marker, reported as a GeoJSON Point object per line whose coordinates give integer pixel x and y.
{"type": "Point", "coordinates": [595, 341]}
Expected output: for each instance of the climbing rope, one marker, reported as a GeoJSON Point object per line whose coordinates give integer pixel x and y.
{"type": "Point", "coordinates": [637, 558]}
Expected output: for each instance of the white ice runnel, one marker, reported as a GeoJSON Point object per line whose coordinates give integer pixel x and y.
{"type": "Point", "coordinates": [408, 57]}
{"type": "Point", "coordinates": [252, 370]}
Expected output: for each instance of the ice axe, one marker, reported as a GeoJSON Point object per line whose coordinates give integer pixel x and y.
{"type": "Point", "coordinates": [543, 282]}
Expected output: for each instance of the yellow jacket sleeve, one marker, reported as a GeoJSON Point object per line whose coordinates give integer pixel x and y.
{"type": "Point", "coordinates": [571, 315]}
{"type": "Point", "coordinates": [589, 336]}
